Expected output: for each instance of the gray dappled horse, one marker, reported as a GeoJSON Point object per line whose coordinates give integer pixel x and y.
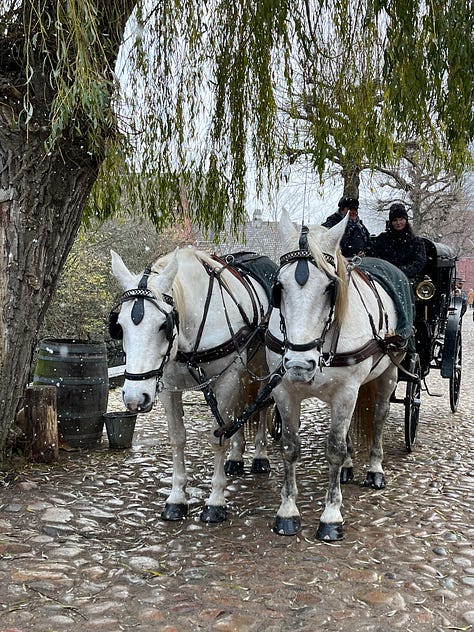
{"type": "Point", "coordinates": [188, 322]}
{"type": "Point", "coordinates": [327, 339]}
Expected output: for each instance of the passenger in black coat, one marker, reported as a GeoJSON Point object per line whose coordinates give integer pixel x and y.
{"type": "Point", "coordinates": [356, 237]}
{"type": "Point", "coordinates": [399, 245]}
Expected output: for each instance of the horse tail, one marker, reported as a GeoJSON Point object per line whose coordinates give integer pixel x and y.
{"type": "Point", "coordinates": [364, 413]}
{"type": "Point", "coordinates": [250, 389]}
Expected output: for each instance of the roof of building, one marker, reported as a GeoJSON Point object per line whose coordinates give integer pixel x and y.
{"type": "Point", "coordinates": [257, 236]}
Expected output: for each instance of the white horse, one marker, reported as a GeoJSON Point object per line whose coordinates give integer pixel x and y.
{"type": "Point", "coordinates": [190, 322]}
{"type": "Point", "coordinates": [327, 339]}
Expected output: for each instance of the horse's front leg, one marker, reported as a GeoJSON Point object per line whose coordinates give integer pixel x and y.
{"type": "Point", "coordinates": [176, 506]}
{"type": "Point", "coordinates": [288, 521]}
{"type": "Point", "coordinates": [227, 397]}
{"type": "Point", "coordinates": [330, 524]}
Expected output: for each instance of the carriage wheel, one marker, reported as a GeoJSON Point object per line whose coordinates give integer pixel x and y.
{"type": "Point", "coordinates": [412, 402]}
{"type": "Point", "coordinates": [455, 379]}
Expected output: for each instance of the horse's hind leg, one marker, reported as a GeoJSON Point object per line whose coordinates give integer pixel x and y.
{"type": "Point", "coordinates": [384, 387]}
{"type": "Point", "coordinates": [176, 506]}
{"type": "Point", "coordinates": [234, 466]}
{"type": "Point", "coordinates": [347, 470]}
{"type": "Point", "coordinates": [260, 462]}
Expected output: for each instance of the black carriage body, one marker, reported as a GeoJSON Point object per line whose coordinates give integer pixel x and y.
{"type": "Point", "coordinates": [431, 315]}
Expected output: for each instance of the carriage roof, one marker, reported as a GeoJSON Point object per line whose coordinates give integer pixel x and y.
{"type": "Point", "coordinates": [438, 255]}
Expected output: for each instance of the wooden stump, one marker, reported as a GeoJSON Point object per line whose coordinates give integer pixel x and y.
{"type": "Point", "coordinates": [41, 427]}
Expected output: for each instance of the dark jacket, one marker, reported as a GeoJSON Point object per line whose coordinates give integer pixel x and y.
{"type": "Point", "coordinates": [332, 220]}
{"type": "Point", "coordinates": [356, 237]}
{"type": "Point", "coordinates": [403, 249]}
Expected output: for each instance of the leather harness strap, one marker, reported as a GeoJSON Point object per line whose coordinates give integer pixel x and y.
{"type": "Point", "coordinates": [339, 359]}
{"type": "Point", "coordinates": [238, 339]}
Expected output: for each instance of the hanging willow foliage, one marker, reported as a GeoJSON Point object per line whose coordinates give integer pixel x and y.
{"type": "Point", "coordinates": [193, 98]}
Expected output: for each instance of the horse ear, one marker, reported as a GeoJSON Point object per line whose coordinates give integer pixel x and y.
{"type": "Point", "coordinates": [164, 280]}
{"type": "Point", "coordinates": [288, 232]}
{"type": "Point", "coordinates": [333, 236]}
{"type": "Point", "coordinates": [126, 279]}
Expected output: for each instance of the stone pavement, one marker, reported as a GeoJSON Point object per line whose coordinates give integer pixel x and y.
{"type": "Point", "coordinates": [83, 547]}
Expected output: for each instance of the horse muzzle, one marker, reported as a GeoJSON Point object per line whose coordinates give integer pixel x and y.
{"type": "Point", "coordinates": [137, 402]}
{"type": "Point", "coordinates": [299, 370]}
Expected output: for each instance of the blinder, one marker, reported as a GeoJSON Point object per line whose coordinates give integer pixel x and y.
{"type": "Point", "coordinates": [276, 295]}
{"type": "Point", "coordinates": [115, 330]}
{"type": "Point", "coordinates": [171, 320]}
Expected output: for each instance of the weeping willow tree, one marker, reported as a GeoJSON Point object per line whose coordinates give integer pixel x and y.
{"type": "Point", "coordinates": [170, 101]}
{"type": "Point", "coordinates": [369, 83]}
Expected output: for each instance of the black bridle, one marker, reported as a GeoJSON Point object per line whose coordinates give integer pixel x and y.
{"type": "Point", "coordinates": [140, 295]}
{"type": "Point", "coordinates": [302, 257]}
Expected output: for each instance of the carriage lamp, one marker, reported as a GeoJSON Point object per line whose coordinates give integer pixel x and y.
{"type": "Point", "coordinates": [425, 290]}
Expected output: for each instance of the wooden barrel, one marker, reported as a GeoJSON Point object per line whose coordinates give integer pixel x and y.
{"type": "Point", "coordinates": [78, 369]}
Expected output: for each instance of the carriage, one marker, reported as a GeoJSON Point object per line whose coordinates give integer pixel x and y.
{"type": "Point", "coordinates": [438, 342]}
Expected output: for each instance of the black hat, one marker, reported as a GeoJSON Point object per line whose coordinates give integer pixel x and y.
{"type": "Point", "coordinates": [397, 210]}
{"type": "Point", "coordinates": [347, 202]}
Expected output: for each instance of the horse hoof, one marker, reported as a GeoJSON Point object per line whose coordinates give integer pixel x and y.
{"type": "Point", "coordinates": [376, 480]}
{"type": "Point", "coordinates": [213, 513]}
{"type": "Point", "coordinates": [347, 475]}
{"type": "Point", "coordinates": [329, 531]}
{"type": "Point", "coordinates": [234, 468]}
{"type": "Point", "coordinates": [176, 511]}
{"type": "Point", "coordinates": [287, 526]}
{"type": "Point", "coordinates": [260, 466]}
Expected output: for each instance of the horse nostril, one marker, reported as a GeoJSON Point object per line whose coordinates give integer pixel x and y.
{"type": "Point", "coordinates": [146, 401]}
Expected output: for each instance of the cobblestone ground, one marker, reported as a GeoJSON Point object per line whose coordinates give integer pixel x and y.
{"type": "Point", "coordinates": [83, 547]}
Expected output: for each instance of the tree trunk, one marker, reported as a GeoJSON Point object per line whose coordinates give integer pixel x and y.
{"type": "Point", "coordinates": [351, 177]}
{"type": "Point", "coordinates": [43, 197]}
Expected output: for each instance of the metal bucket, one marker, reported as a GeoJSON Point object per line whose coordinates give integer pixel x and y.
{"type": "Point", "coordinates": [78, 369]}
{"type": "Point", "coordinates": [120, 427]}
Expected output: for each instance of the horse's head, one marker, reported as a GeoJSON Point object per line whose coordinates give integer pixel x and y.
{"type": "Point", "coordinates": [310, 291]}
{"type": "Point", "coordinates": [147, 323]}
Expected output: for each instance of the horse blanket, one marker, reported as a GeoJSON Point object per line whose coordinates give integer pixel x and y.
{"type": "Point", "coordinates": [398, 287]}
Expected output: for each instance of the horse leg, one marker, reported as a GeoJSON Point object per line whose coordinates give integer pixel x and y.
{"type": "Point", "coordinates": [227, 397]}
{"type": "Point", "coordinates": [176, 506]}
{"type": "Point", "coordinates": [347, 470]}
{"type": "Point", "coordinates": [288, 521]}
{"type": "Point", "coordinates": [330, 524]}
{"type": "Point", "coordinates": [260, 462]}
{"type": "Point", "coordinates": [384, 386]}
{"type": "Point", "coordinates": [234, 466]}
{"type": "Point", "coordinates": [235, 461]}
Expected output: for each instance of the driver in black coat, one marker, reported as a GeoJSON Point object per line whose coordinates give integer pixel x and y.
{"type": "Point", "coordinates": [356, 238]}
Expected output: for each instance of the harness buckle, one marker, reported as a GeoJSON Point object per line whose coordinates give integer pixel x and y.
{"type": "Point", "coordinates": [325, 362]}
